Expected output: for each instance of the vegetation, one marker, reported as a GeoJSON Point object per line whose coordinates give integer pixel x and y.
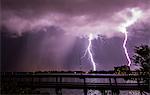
{"type": "Point", "coordinates": [122, 69]}
{"type": "Point", "coordinates": [142, 57]}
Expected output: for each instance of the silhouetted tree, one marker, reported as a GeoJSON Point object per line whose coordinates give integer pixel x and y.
{"type": "Point", "coordinates": [142, 57]}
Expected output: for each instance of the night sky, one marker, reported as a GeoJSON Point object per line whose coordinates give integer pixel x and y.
{"type": "Point", "coordinates": [45, 35]}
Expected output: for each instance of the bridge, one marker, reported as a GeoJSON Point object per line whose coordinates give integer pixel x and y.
{"type": "Point", "coordinates": [99, 81]}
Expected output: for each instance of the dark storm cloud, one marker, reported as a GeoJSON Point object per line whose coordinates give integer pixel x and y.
{"type": "Point", "coordinates": [72, 7]}
{"type": "Point", "coordinates": [70, 15]}
{"type": "Point", "coordinates": [44, 25]}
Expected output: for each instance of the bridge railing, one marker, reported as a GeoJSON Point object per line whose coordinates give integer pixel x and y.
{"type": "Point", "coordinates": [73, 80]}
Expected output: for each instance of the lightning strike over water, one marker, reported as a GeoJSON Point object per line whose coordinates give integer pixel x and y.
{"type": "Point", "coordinates": [136, 14]}
{"type": "Point", "coordinates": [89, 51]}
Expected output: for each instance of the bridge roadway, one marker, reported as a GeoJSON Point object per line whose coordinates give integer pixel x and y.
{"type": "Point", "coordinates": [78, 81]}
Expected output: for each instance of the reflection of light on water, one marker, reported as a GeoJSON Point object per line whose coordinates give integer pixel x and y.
{"type": "Point", "coordinates": [108, 92]}
{"type": "Point", "coordinates": [94, 92]}
{"type": "Point", "coordinates": [98, 92]}
{"type": "Point", "coordinates": [133, 92]}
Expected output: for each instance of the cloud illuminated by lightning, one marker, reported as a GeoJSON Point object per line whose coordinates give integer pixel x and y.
{"type": "Point", "coordinates": [136, 14]}
{"type": "Point", "coordinates": [89, 51]}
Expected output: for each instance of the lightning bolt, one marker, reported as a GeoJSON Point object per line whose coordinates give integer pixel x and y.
{"type": "Point", "coordinates": [125, 48]}
{"type": "Point", "coordinates": [136, 14]}
{"type": "Point", "coordinates": [89, 51]}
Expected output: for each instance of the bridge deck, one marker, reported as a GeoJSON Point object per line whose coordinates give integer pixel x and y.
{"type": "Point", "coordinates": [77, 80]}
{"type": "Point", "coordinates": [99, 86]}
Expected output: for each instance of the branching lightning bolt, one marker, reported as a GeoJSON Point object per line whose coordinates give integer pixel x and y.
{"type": "Point", "coordinates": [136, 14]}
{"type": "Point", "coordinates": [89, 51]}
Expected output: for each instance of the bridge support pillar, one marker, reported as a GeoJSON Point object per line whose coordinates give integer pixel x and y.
{"type": "Point", "coordinates": [103, 92]}
{"type": "Point", "coordinates": [115, 92]}
{"type": "Point", "coordinates": [58, 91]}
{"type": "Point", "coordinates": [85, 91]}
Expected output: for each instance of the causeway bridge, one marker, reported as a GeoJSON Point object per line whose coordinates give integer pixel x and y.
{"type": "Point", "coordinates": [78, 80]}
